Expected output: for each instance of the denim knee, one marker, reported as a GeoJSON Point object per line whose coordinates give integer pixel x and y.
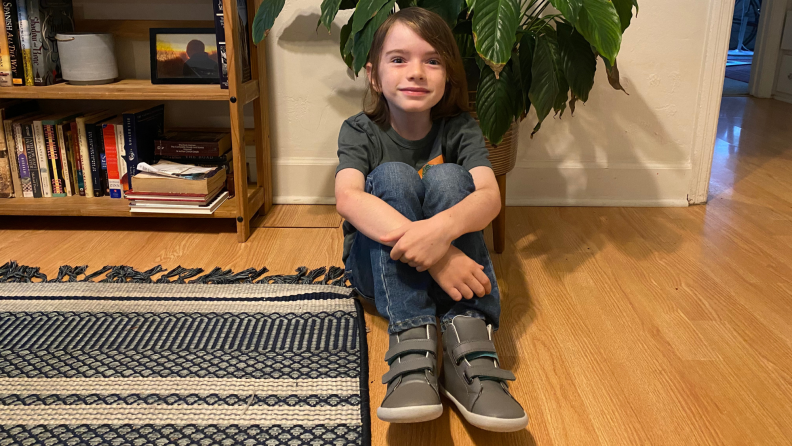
{"type": "Point", "coordinates": [446, 185]}
{"type": "Point", "coordinates": [395, 178]}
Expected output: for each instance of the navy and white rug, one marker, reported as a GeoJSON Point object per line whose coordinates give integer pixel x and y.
{"type": "Point", "coordinates": [84, 363]}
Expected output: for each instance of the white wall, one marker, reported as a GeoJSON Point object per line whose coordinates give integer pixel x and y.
{"type": "Point", "coordinates": [617, 149]}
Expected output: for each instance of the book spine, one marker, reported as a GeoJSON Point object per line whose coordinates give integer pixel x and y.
{"type": "Point", "coordinates": [221, 44]}
{"type": "Point", "coordinates": [24, 168]}
{"type": "Point", "coordinates": [130, 145]}
{"type": "Point", "coordinates": [176, 148]}
{"type": "Point", "coordinates": [5, 56]}
{"type": "Point", "coordinates": [12, 34]}
{"type": "Point", "coordinates": [74, 145]}
{"type": "Point", "coordinates": [96, 161]}
{"type": "Point", "coordinates": [244, 39]}
{"type": "Point", "coordinates": [54, 159]}
{"type": "Point", "coordinates": [111, 155]}
{"type": "Point", "coordinates": [64, 160]}
{"type": "Point", "coordinates": [24, 40]}
{"type": "Point", "coordinates": [6, 181]}
{"type": "Point", "coordinates": [209, 160]}
{"type": "Point", "coordinates": [43, 159]}
{"type": "Point", "coordinates": [85, 157]}
{"type": "Point", "coordinates": [69, 147]}
{"type": "Point", "coordinates": [30, 150]}
{"type": "Point", "coordinates": [98, 137]}
{"type": "Point", "coordinates": [36, 41]}
{"type": "Point", "coordinates": [123, 170]}
{"type": "Point", "coordinates": [12, 156]}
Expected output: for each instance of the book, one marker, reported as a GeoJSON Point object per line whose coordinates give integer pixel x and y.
{"type": "Point", "coordinates": [180, 143]}
{"type": "Point", "coordinates": [134, 195]}
{"type": "Point", "coordinates": [74, 141]}
{"type": "Point", "coordinates": [221, 44]}
{"type": "Point", "coordinates": [144, 200]}
{"type": "Point", "coordinates": [10, 186]}
{"type": "Point", "coordinates": [57, 151]}
{"type": "Point", "coordinates": [48, 18]}
{"type": "Point", "coordinates": [123, 170]}
{"type": "Point", "coordinates": [67, 159]}
{"type": "Point", "coordinates": [183, 209]}
{"type": "Point", "coordinates": [24, 41]}
{"type": "Point", "coordinates": [203, 160]}
{"type": "Point", "coordinates": [96, 151]}
{"type": "Point", "coordinates": [111, 156]}
{"type": "Point", "coordinates": [24, 169]}
{"type": "Point", "coordinates": [28, 139]}
{"type": "Point", "coordinates": [14, 46]}
{"type": "Point", "coordinates": [5, 57]}
{"type": "Point", "coordinates": [148, 182]}
{"type": "Point", "coordinates": [142, 126]}
{"type": "Point", "coordinates": [51, 179]}
{"type": "Point", "coordinates": [244, 39]}
{"type": "Point", "coordinates": [85, 158]}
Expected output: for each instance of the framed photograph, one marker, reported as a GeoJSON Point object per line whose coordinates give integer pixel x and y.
{"type": "Point", "coordinates": [184, 56]}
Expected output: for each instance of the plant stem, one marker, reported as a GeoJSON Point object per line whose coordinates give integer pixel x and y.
{"type": "Point", "coordinates": [537, 12]}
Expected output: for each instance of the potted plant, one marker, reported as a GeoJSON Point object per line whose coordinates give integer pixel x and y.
{"type": "Point", "coordinates": [515, 56]}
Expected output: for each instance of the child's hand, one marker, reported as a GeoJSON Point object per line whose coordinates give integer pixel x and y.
{"type": "Point", "coordinates": [459, 276]}
{"type": "Point", "coordinates": [420, 244]}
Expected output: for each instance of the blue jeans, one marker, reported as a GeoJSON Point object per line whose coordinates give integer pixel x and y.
{"type": "Point", "coordinates": [404, 296]}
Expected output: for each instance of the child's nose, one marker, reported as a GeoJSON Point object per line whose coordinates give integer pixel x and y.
{"type": "Point", "coordinates": [417, 71]}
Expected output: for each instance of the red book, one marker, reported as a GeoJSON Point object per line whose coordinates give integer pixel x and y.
{"type": "Point", "coordinates": [111, 158]}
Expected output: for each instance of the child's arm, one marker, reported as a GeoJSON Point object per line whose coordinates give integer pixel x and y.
{"type": "Point", "coordinates": [423, 243]}
{"type": "Point", "coordinates": [368, 213]}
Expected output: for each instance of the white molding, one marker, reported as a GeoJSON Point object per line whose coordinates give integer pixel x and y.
{"type": "Point", "coordinates": [768, 43]}
{"type": "Point", "coordinates": [302, 200]}
{"type": "Point", "coordinates": [716, 48]}
{"type": "Point", "coordinates": [305, 160]}
{"type": "Point", "coordinates": [781, 96]}
{"type": "Point", "coordinates": [597, 202]}
{"type": "Point", "coordinates": [552, 164]}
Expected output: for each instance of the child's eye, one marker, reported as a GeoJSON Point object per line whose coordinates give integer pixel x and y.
{"type": "Point", "coordinates": [397, 60]}
{"type": "Point", "coordinates": [434, 61]}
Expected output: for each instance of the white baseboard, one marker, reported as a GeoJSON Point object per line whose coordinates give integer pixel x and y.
{"type": "Point", "coordinates": [539, 183]}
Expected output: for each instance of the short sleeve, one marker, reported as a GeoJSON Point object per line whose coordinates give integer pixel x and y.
{"type": "Point", "coordinates": [466, 140]}
{"type": "Point", "coordinates": [353, 148]}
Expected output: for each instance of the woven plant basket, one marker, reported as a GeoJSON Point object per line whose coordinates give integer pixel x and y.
{"type": "Point", "coordinates": [503, 156]}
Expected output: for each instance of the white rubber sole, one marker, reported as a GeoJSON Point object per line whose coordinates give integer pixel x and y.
{"type": "Point", "coordinates": [414, 414]}
{"type": "Point", "coordinates": [487, 423]}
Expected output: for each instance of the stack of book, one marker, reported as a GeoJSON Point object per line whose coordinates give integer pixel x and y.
{"type": "Point", "coordinates": [172, 188]}
{"type": "Point", "coordinates": [201, 147]}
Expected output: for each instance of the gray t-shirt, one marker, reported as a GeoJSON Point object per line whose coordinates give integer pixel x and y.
{"type": "Point", "coordinates": [363, 145]}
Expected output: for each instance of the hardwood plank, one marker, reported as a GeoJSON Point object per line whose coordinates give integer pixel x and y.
{"type": "Point", "coordinates": [299, 216]}
{"type": "Point", "coordinates": [125, 89]}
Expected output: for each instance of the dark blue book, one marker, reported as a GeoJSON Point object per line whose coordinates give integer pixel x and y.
{"type": "Point", "coordinates": [32, 158]}
{"type": "Point", "coordinates": [95, 151]}
{"type": "Point", "coordinates": [142, 127]}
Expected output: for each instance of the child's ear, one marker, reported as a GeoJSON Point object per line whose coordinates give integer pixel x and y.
{"type": "Point", "coordinates": [369, 67]}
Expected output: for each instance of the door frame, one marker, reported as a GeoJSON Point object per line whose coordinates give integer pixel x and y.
{"type": "Point", "coordinates": [713, 68]}
{"type": "Point", "coordinates": [766, 50]}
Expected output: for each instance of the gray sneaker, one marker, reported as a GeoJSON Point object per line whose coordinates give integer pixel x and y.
{"type": "Point", "coordinates": [412, 394]}
{"type": "Point", "coordinates": [473, 381]}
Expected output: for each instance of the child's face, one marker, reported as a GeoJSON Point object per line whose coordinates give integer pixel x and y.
{"type": "Point", "coordinates": [411, 74]}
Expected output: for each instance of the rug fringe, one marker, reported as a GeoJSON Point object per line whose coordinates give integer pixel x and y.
{"type": "Point", "coordinates": [12, 272]}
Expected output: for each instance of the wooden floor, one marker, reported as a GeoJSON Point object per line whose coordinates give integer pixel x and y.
{"type": "Point", "coordinates": [624, 326]}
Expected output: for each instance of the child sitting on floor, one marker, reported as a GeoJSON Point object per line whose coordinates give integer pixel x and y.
{"type": "Point", "coordinates": [416, 189]}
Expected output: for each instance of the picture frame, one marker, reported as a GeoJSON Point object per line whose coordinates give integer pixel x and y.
{"type": "Point", "coordinates": [184, 56]}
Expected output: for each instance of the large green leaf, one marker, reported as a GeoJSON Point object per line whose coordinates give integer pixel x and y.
{"type": "Point", "coordinates": [526, 54]}
{"type": "Point", "coordinates": [544, 83]}
{"type": "Point", "coordinates": [329, 10]}
{"type": "Point", "coordinates": [519, 102]}
{"type": "Point", "coordinates": [600, 25]}
{"type": "Point", "coordinates": [365, 37]}
{"type": "Point", "coordinates": [614, 79]}
{"type": "Point", "coordinates": [494, 30]}
{"type": "Point", "coordinates": [624, 9]}
{"type": "Point", "coordinates": [569, 8]}
{"type": "Point", "coordinates": [365, 11]}
{"type": "Point", "coordinates": [265, 18]}
{"type": "Point", "coordinates": [560, 102]}
{"type": "Point", "coordinates": [578, 62]}
{"type": "Point", "coordinates": [447, 9]}
{"type": "Point", "coordinates": [346, 32]}
{"type": "Point", "coordinates": [495, 103]}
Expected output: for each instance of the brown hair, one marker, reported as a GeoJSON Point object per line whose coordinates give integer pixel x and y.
{"type": "Point", "coordinates": [435, 31]}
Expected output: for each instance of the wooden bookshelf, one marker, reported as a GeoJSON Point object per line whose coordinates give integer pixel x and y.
{"type": "Point", "coordinates": [258, 195]}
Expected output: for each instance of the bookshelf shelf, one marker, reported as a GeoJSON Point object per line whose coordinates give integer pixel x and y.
{"type": "Point", "coordinates": [239, 93]}
{"type": "Point", "coordinates": [131, 89]}
{"type": "Point", "coordinates": [76, 206]}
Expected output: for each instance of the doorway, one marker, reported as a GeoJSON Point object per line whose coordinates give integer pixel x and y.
{"type": "Point", "coordinates": [744, 31]}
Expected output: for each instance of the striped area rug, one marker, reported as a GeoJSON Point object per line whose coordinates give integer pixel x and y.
{"type": "Point", "coordinates": [85, 363]}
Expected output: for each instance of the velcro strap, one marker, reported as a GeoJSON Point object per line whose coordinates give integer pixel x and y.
{"type": "Point", "coordinates": [465, 348]}
{"type": "Point", "coordinates": [410, 346]}
{"type": "Point", "coordinates": [488, 371]}
{"type": "Point", "coordinates": [404, 367]}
